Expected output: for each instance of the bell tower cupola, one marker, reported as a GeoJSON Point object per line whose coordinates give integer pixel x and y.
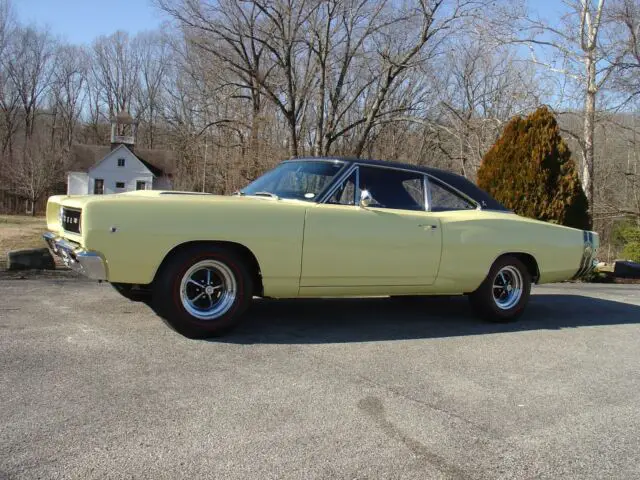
{"type": "Point", "coordinates": [123, 130]}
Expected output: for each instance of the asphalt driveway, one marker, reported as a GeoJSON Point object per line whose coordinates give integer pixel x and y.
{"type": "Point", "coordinates": [94, 386]}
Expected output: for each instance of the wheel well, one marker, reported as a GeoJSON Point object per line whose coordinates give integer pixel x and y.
{"type": "Point", "coordinates": [529, 262]}
{"type": "Point", "coordinates": [239, 249]}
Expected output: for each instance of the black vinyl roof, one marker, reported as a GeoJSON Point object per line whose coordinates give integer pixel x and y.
{"type": "Point", "coordinates": [456, 181]}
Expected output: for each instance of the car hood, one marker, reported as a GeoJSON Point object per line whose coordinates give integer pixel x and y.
{"type": "Point", "coordinates": [161, 198]}
{"type": "Point", "coordinates": [143, 196]}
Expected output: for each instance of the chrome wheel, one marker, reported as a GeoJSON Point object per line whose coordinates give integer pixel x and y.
{"type": "Point", "coordinates": [208, 290]}
{"type": "Point", "coordinates": [507, 287]}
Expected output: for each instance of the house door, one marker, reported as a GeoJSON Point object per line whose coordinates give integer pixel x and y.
{"type": "Point", "coordinates": [141, 185]}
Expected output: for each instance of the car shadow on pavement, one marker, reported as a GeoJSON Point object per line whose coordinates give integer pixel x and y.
{"type": "Point", "coordinates": [309, 321]}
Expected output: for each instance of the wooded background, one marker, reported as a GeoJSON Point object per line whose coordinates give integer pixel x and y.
{"type": "Point", "coordinates": [231, 87]}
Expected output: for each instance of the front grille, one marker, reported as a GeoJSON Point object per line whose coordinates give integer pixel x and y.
{"type": "Point", "coordinates": [70, 220]}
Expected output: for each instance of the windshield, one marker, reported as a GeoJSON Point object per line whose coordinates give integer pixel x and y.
{"type": "Point", "coordinates": [302, 180]}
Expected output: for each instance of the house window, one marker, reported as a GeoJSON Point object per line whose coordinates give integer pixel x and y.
{"type": "Point", "coordinates": [141, 185]}
{"type": "Point", "coordinates": [121, 162]}
{"type": "Point", "coordinates": [119, 184]}
{"type": "Point", "coordinates": [98, 186]}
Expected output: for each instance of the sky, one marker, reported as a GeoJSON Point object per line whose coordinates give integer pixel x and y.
{"type": "Point", "coordinates": [81, 21]}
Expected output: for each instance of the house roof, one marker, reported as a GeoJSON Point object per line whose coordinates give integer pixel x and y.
{"type": "Point", "coordinates": [83, 157]}
{"type": "Point", "coordinates": [157, 172]}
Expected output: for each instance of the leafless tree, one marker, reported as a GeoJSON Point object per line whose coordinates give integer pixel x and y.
{"type": "Point", "coordinates": [36, 170]}
{"type": "Point", "coordinates": [224, 34]}
{"type": "Point", "coordinates": [153, 51]}
{"type": "Point", "coordinates": [626, 14]}
{"type": "Point", "coordinates": [9, 97]}
{"type": "Point", "coordinates": [339, 35]}
{"type": "Point", "coordinates": [336, 62]}
{"type": "Point", "coordinates": [69, 87]}
{"type": "Point", "coordinates": [486, 85]}
{"type": "Point", "coordinates": [30, 68]}
{"type": "Point", "coordinates": [116, 70]}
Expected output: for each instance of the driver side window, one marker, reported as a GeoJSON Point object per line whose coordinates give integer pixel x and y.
{"type": "Point", "coordinates": [345, 194]}
{"type": "Point", "coordinates": [392, 188]}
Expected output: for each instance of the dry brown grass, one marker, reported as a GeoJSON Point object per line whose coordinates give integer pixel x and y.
{"type": "Point", "coordinates": [18, 232]}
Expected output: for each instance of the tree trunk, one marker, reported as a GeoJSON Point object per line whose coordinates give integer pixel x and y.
{"type": "Point", "coordinates": [254, 134]}
{"type": "Point", "coordinates": [151, 124]}
{"type": "Point", "coordinates": [589, 130]}
{"type": "Point", "coordinates": [320, 100]}
{"type": "Point", "coordinates": [293, 146]}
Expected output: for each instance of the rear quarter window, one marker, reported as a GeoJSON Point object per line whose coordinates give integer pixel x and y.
{"type": "Point", "coordinates": [443, 199]}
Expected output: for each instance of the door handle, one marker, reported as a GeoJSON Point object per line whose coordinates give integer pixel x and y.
{"type": "Point", "coordinates": [428, 226]}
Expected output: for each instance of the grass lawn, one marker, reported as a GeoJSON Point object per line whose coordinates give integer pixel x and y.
{"type": "Point", "coordinates": [18, 232]}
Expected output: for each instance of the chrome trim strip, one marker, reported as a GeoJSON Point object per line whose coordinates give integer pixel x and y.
{"type": "Point", "coordinates": [316, 159]}
{"type": "Point", "coordinates": [427, 193]}
{"type": "Point", "coordinates": [85, 262]}
{"type": "Point", "coordinates": [356, 191]}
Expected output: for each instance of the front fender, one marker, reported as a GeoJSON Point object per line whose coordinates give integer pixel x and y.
{"type": "Point", "coordinates": [135, 237]}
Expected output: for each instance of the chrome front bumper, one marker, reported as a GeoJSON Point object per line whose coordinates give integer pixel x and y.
{"type": "Point", "coordinates": [87, 263]}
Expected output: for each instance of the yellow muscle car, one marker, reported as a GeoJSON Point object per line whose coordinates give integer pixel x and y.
{"type": "Point", "coordinates": [314, 227]}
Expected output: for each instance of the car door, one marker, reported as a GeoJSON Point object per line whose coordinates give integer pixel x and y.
{"type": "Point", "coordinates": [391, 242]}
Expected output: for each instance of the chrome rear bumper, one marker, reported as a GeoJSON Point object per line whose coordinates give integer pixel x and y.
{"type": "Point", "coordinates": [588, 262]}
{"type": "Point", "coordinates": [76, 258]}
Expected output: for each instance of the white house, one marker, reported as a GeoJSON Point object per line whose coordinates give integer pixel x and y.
{"type": "Point", "coordinates": [121, 168]}
{"type": "Point", "coordinates": [119, 171]}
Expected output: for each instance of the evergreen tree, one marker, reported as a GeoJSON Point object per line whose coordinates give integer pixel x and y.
{"type": "Point", "coordinates": [530, 170]}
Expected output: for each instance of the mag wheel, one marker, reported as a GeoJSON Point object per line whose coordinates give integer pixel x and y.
{"type": "Point", "coordinates": [504, 293]}
{"type": "Point", "coordinates": [202, 292]}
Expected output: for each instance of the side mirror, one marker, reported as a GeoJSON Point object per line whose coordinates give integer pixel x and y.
{"type": "Point", "coordinates": [365, 198]}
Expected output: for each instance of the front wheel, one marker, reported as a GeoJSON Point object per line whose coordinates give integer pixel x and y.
{"type": "Point", "coordinates": [503, 295]}
{"type": "Point", "coordinates": [203, 291]}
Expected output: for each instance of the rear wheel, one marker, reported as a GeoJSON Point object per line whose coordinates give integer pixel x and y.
{"type": "Point", "coordinates": [203, 291]}
{"type": "Point", "coordinates": [503, 295]}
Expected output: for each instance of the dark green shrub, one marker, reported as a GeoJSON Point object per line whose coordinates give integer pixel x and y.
{"type": "Point", "coordinates": [627, 236]}
{"type": "Point", "coordinates": [530, 170]}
